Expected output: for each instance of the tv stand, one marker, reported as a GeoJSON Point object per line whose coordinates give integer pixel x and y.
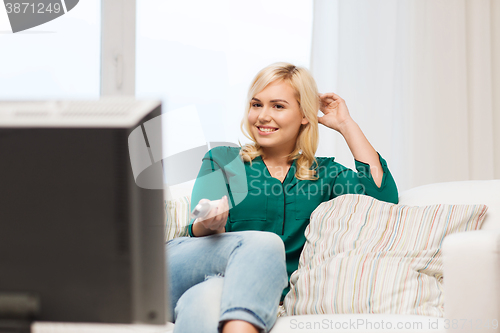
{"type": "Point", "coordinates": [15, 326]}
{"type": "Point", "coordinates": [18, 311]}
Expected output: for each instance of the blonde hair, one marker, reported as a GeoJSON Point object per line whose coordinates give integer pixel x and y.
{"type": "Point", "coordinates": [306, 92]}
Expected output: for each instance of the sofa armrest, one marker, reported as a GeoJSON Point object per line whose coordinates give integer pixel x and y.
{"type": "Point", "coordinates": [472, 280]}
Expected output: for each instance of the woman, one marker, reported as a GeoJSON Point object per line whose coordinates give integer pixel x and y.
{"type": "Point", "coordinates": [233, 277]}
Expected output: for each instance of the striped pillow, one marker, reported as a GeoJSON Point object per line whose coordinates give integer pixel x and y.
{"type": "Point", "coordinates": [367, 256]}
{"type": "Point", "coordinates": [177, 217]}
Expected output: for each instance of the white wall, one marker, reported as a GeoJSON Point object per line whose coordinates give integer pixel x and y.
{"type": "Point", "coordinates": [205, 53]}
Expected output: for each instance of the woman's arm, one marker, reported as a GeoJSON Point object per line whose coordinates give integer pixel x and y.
{"type": "Point", "coordinates": [210, 185]}
{"type": "Point", "coordinates": [337, 117]}
{"type": "Point", "coordinates": [361, 149]}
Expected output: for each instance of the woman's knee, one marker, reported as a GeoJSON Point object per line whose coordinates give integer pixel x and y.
{"type": "Point", "coordinates": [199, 306]}
{"type": "Point", "coordinates": [202, 297]}
{"type": "Point", "coordinates": [265, 241]}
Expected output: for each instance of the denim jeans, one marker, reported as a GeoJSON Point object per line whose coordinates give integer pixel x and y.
{"type": "Point", "coordinates": [228, 276]}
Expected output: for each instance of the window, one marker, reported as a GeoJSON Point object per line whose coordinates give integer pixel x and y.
{"type": "Point", "coordinates": [57, 60]}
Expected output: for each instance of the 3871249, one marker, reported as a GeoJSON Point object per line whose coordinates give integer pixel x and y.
{"type": "Point", "coordinates": [32, 8]}
{"type": "Point", "coordinates": [469, 324]}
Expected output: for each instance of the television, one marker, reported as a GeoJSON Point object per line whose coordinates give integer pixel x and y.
{"type": "Point", "coordinates": [81, 212]}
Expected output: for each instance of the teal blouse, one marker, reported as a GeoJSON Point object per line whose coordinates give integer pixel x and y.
{"type": "Point", "coordinates": [257, 201]}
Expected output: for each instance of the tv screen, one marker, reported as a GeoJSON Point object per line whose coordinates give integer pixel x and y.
{"type": "Point", "coordinates": [80, 240]}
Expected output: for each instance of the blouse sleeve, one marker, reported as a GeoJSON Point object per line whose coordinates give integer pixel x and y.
{"type": "Point", "coordinates": [211, 183]}
{"type": "Point", "coordinates": [361, 182]}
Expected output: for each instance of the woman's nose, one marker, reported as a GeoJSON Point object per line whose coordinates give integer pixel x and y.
{"type": "Point", "coordinates": [265, 115]}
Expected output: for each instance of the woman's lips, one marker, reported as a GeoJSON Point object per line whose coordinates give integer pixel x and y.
{"type": "Point", "coordinates": [266, 132]}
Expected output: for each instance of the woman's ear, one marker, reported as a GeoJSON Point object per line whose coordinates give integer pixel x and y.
{"type": "Point", "coordinates": [304, 120]}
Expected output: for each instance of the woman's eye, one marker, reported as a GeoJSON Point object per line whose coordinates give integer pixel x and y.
{"type": "Point", "coordinates": [258, 105]}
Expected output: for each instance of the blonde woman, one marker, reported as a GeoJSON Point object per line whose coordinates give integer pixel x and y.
{"type": "Point", "coordinates": [233, 271]}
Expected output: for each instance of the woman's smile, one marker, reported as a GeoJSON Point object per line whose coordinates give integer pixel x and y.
{"type": "Point", "coordinates": [266, 130]}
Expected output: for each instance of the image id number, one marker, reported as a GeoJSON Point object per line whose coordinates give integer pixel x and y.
{"type": "Point", "coordinates": [24, 7]}
{"type": "Point", "coordinates": [470, 324]}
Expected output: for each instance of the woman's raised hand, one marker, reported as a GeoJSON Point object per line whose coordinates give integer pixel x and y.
{"type": "Point", "coordinates": [335, 111]}
{"type": "Point", "coordinates": [217, 217]}
{"type": "Point", "coordinates": [337, 117]}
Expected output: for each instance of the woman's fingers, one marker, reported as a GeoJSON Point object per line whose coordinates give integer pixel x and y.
{"type": "Point", "coordinates": [222, 212]}
{"type": "Point", "coordinates": [330, 102]}
{"type": "Point", "coordinates": [327, 100]}
{"type": "Point", "coordinates": [329, 97]}
{"type": "Point", "coordinates": [217, 217]}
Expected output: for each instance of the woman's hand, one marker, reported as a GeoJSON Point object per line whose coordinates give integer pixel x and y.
{"type": "Point", "coordinates": [217, 217]}
{"type": "Point", "coordinates": [336, 115]}
{"type": "Point", "coordinates": [338, 118]}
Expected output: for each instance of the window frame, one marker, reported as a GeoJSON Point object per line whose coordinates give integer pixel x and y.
{"type": "Point", "coordinates": [118, 25]}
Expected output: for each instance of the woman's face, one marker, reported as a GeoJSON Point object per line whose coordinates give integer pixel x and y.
{"type": "Point", "coordinates": [275, 117]}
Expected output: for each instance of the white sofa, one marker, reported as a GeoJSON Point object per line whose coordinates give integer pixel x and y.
{"type": "Point", "coordinates": [471, 273]}
{"type": "Point", "coordinates": [471, 278]}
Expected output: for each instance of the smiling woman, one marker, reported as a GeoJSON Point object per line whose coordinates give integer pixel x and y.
{"type": "Point", "coordinates": [284, 183]}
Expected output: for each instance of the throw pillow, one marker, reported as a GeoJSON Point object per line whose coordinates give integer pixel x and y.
{"type": "Point", "coordinates": [177, 217]}
{"type": "Point", "coordinates": [367, 256]}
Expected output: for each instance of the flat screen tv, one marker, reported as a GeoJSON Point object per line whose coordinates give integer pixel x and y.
{"type": "Point", "coordinates": [81, 212]}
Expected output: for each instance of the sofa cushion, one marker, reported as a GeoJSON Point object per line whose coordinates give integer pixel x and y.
{"type": "Point", "coordinates": [177, 217]}
{"type": "Point", "coordinates": [367, 256]}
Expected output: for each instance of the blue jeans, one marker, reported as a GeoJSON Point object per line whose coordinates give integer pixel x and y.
{"type": "Point", "coordinates": [228, 276]}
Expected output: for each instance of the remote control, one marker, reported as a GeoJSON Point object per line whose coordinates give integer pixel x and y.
{"type": "Point", "coordinates": [201, 210]}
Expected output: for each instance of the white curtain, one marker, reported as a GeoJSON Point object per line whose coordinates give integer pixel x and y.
{"type": "Point", "coordinates": [421, 78]}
